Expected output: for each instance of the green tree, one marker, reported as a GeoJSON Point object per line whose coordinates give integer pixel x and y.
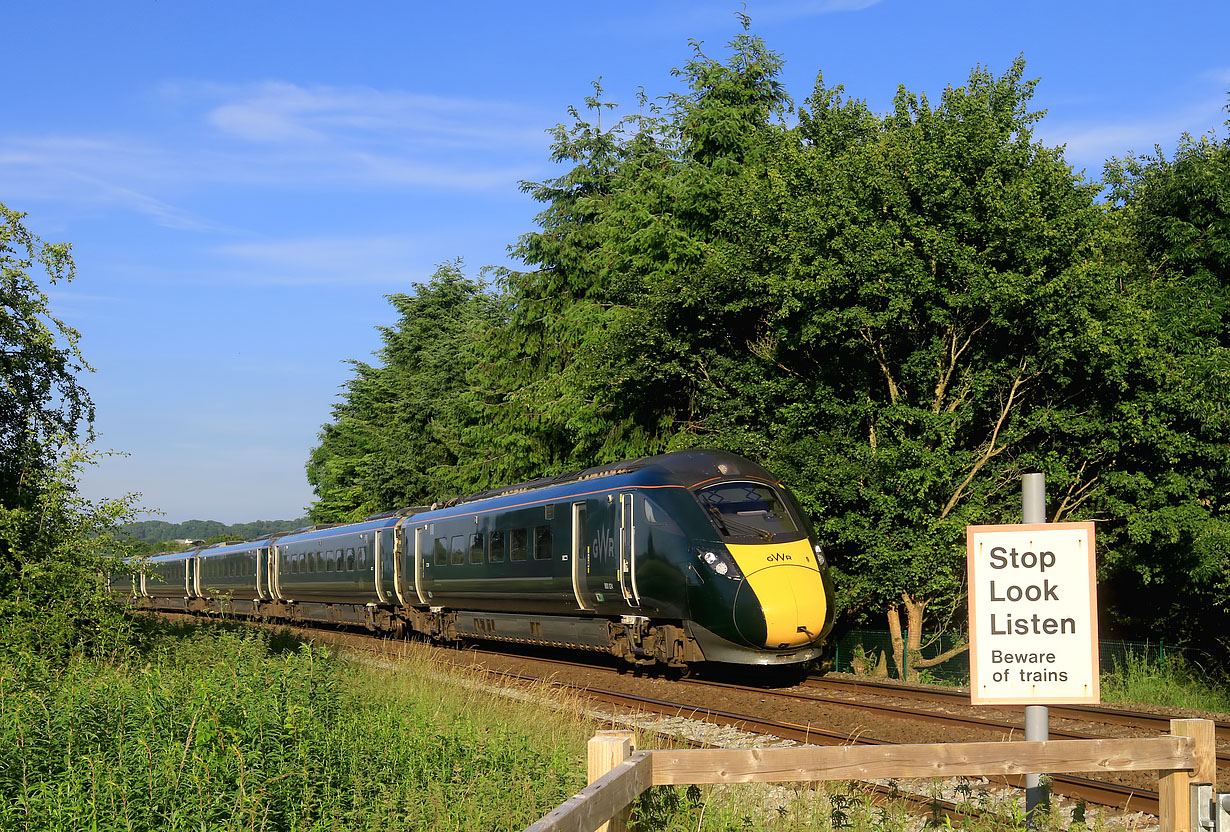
{"type": "Point", "coordinates": [41, 401]}
{"type": "Point", "coordinates": [901, 313]}
{"type": "Point", "coordinates": [398, 436]}
{"type": "Point", "coordinates": [54, 545]}
{"type": "Point", "coordinates": [605, 364]}
{"type": "Point", "coordinates": [54, 599]}
{"type": "Point", "coordinates": [892, 311]}
{"type": "Point", "coordinates": [1170, 567]}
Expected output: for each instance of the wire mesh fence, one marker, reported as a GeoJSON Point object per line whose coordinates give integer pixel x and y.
{"type": "Point", "coordinates": [870, 653]}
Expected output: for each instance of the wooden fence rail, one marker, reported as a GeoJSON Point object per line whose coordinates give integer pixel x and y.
{"type": "Point", "coordinates": [618, 774]}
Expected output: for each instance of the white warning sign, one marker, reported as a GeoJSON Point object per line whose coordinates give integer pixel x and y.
{"type": "Point", "coordinates": [1033, 613]}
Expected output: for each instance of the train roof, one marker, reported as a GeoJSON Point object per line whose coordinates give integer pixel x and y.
{"type": "Point", "coordinates": [686, 468]}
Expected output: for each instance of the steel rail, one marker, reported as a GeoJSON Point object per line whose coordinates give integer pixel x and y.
{"type": "Point", "coordinates": [1084, 713]}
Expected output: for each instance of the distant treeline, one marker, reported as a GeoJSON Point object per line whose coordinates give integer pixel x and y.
{"type": "Point", "coordinates": [159, 531]}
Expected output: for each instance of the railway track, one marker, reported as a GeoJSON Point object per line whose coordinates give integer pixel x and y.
{"type": "Point", "coordinates": [1084, 713]}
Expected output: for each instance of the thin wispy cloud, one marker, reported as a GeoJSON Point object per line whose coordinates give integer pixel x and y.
{"type": "Point", "coordinates": [375, 259]}
{"type": "Point", "coordinates": [285, 113]}
{"type": "Point", "coordinates": [1089, 145]}
{"type": "Point", "coordinates": [278, 136]}
{"type": "Point", "coordinates": [799, 9]}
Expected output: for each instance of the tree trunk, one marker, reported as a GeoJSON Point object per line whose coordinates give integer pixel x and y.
{"type": "Point", "coordinates": [898, 643]}
{"type": "Point", "coordinates": [914, 609]}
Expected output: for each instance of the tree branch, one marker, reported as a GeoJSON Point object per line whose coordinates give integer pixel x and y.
{"type": "Point", "coordinates": [992, 450]}
{"type": "Point", "coordinates": [882, 359]}
{"type": "Point", "coordinates": [945, 375]}
{"type": "Point", "coordinates": [1075, 496]}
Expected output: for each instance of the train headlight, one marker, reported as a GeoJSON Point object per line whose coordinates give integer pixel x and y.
{"type": "Point", "coordinates": [820, 560]}
{"type": "Point", "coordinates": [719, 563]}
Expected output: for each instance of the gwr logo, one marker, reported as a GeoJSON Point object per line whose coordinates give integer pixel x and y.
{"type": "Point", "coordinates": [778, 556]}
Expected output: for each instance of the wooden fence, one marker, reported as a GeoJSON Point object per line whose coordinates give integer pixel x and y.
{"type": "Point", "coordinates": [618, 775]}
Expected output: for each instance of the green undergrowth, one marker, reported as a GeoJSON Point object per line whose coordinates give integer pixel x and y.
{"type": "Point", "coordinates": [1170, 683]}
{"type": "Point", "coordinates": [243, 730]}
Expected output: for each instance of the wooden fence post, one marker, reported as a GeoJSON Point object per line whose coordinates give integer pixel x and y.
{"type": "Point", "coordinates": [1174, 785]}
{"type": "Point", "coordinates": [1204, 731]}
{"type": "Point", "coordinates": [606, 750]}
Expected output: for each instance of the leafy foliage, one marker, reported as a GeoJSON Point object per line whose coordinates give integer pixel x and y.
{"type": "Point", "coordinates": [1172, 560]}
{"type": "Point", "coordinates": [399, 433]}
{"type": "Point", "coordinates": [54, 545]}
{"type": "Point", "coordinates": [41, 401]}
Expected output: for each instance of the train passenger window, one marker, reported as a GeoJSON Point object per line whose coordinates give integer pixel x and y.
{"type": "Point", "coordinates": [350, 560]}
{"type": "Point", "coordinates": [440, 551]}
{"type": "Point", "coordinates": [476, 548]}
{"type": "Point", "coordinates": [458, 548]}
{"type": "Point", "coordinates": [542, 543]}
{"type": "Point", "coordinates": [498, 541]}
{"type": "Point", "coordinates": [520, 544]}
{"type": "Point", "coordinates": [331, 561]}
{"type": "Point", "coordinates": [362, 561]}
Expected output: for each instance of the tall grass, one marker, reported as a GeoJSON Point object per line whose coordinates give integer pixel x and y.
{"type": "Point", "coordinates": [1172, 683]}
{"type": "Point", "coordinates": [236, 731]}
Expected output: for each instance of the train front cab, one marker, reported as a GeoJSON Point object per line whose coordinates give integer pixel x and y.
{"type": "Point", "coordinates": [768, 599]}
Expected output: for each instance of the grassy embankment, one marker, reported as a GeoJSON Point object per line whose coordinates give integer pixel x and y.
{"type": "Point", "coordinates": [234, 730]}
{"type": "Point", "coordinates": [1173, 683]}
{"type": "Point", "coordinates": [226, 729]}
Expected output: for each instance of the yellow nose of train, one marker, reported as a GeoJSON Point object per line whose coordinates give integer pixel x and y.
{"type": "Point", "coordinates": [781, 604]}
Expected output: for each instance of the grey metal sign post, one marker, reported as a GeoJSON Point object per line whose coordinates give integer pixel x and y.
{"type": "Point", "coordinates": [1037, 717]}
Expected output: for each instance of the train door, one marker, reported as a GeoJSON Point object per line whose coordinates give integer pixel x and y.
{"type": "Point", "coordinates": [627, 548]}
{"type": "Point", "coordinates": [275, 572]}
{"type": "Point", "coordinates": [399, 564]}
{"type": "Point", "coordinates": [378, 556]}
{"type": "Point", "coordinates": [192, 580]}
{"type": "Point", "coordinates": [418, 563]}
{"type": "Point", "coordinates": [579, 562]}
{"type": "Point", "coordinates": [262, 574]}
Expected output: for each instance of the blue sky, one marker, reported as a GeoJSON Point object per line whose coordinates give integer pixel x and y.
{"type": "Point", "coordinates": [243, 182]}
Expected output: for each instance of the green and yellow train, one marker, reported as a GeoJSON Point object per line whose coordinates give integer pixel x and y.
{"type": "Point", "coordinates": [694, 556]}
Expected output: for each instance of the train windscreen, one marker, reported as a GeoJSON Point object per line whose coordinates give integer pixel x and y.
{"type": "Point", "coordinates": [748, 510]}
